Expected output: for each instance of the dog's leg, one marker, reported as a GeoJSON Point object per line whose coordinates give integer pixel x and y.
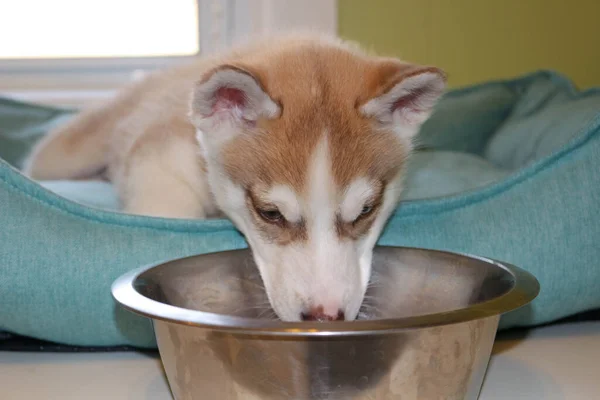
{"type": "Point", "coordinates": [166, 179]}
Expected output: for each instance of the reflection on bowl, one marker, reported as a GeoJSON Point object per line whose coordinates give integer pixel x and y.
{"type": "Point", "coordinates": [425, 331]}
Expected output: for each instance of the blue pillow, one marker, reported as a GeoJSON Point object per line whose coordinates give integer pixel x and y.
{"type": "Point", "coordinates": [510, 171]}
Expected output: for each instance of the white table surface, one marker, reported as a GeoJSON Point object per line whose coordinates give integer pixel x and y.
{"type": "Point", "coordinates": [553, 363]}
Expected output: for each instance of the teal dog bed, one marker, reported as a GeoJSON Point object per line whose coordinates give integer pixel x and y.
{"type": "Point", "coordinates": [507, 170]}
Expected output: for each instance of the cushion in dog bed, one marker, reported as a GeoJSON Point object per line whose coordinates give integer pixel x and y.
{"type": "Point", "coordinates": [509, 170]}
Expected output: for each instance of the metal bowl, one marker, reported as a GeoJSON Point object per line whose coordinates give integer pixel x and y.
{"type": "Point", "coordinates": [425, 331]}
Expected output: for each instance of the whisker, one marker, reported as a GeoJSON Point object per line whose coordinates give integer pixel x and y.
{"type": "Point", "coordinates": [254, 283]}
{"type": "Point", "coordinates": [267, 314]}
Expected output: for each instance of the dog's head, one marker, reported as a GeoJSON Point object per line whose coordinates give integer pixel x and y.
{"type": "Point", "coordinates": [305, 145]}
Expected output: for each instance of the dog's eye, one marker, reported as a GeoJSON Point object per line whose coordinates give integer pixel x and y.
{"type": "Point", "coordinates": [272, 215]}
{"type": "Point", "coordinates": [366, 210]}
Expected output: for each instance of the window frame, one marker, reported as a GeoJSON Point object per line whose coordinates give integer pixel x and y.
{"type": "Point", "coordinates": [74, 82]}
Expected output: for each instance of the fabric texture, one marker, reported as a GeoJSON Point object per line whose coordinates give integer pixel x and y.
{"type": "Point", "coordinates": [509, 171]}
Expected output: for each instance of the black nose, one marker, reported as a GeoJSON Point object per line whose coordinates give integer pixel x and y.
{"type": "Point", "coordinates": [318, 314]}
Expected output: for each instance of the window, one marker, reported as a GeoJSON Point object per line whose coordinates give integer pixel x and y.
{"type": "Point", "coordinates": [51, 29]}
{"type": "Point", "coordinates": [76, 52]}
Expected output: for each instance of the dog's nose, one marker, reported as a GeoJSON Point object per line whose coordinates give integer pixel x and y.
{"type": "Point", "coordinates": [318, 314]}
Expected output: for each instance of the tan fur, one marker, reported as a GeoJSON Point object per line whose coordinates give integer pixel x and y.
{"type": "Point", "coordinates": [320, 82]}
{"type": "Point", "coordinates": [320, 88]}
{"type": "Point", "coordinates": [299, 140]}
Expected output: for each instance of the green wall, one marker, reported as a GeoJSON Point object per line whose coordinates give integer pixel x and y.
{"type": "Point", "coordinates": [478, 40]}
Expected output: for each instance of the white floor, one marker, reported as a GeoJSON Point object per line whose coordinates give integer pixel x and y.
{"type": "Point", "coordinates": [555, 363]}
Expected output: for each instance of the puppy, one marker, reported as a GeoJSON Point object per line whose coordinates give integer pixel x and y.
{"type": "Point", "coordinates": [300, 140]}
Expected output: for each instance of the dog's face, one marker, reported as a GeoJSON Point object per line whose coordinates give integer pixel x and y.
{"type": "Point", "coordinates": [305, 153]}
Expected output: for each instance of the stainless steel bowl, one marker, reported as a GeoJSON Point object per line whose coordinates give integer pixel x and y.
{"type": "Point", "coordinates": [425, 331]}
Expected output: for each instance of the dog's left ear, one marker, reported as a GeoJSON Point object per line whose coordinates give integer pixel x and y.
{"type": "Point", "coordinates": [403, 96]}
{"type": "Point", "coordinates": [230, 94]}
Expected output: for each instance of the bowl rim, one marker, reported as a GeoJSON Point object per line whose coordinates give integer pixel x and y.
{"type": "Point", "coordinates": [526, 288]}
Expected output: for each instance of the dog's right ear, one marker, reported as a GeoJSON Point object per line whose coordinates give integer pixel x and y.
{"type": "Point", "coordinates": [230, 94]}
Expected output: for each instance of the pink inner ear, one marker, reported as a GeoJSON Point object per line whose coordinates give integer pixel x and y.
{"type": "Point", "coordinates": [410, 101]}
{"type": "Point", "coordinates": [227, 98]}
